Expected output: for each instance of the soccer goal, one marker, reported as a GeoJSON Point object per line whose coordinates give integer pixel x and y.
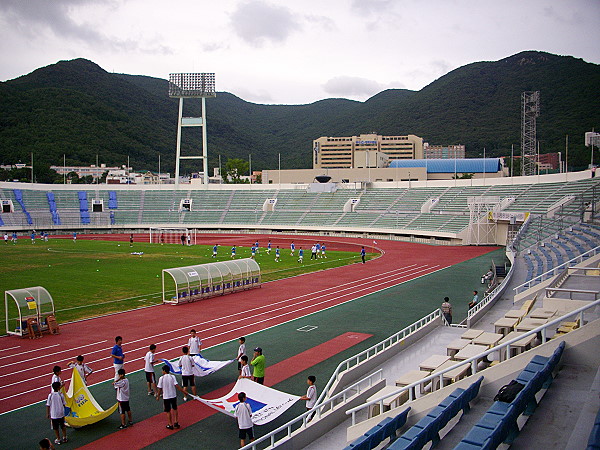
{"type": "Point", "coordinates": [181, 236]}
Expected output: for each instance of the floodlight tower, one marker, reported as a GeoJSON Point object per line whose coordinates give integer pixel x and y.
{"type": "Point", "coordinates": [530, 111]}
{"type": "Point", "coordinates": [192, 85]}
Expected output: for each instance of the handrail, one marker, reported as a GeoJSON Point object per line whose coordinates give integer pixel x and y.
{"type": "Point", "coordinates": [473, 360]}
{"type": "Point", "coordinates": [376, 349]}
{"type": "Point", "coordinates": [318, 410]}
{"type": "Point", "coordinates": [554, 271]}
{"type": "Point", "coordinates": [490, 297]}
{"type": "Point", "coordinates": [324, 400]}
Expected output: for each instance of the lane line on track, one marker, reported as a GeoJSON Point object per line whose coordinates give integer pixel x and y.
{"type": "Point", "coordinates": [245, 318]}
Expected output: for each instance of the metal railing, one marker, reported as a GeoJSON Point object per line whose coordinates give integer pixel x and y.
{"type": "Point", "coordinates": [324, 401]}
{"type": "Point", "coordinates": [543, 330]}
{"type": "Point", "coordinates": [556, 270]}
{"type": "Point", "coordinates": [317, 411]}
{"type": "Point", "coordinates": [376, 349]}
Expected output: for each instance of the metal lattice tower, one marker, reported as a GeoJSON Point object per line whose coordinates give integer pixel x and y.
{"type": "Point", "coordinates": [192, 85]}
{"type": "Point", "coordinates": [530, 110]}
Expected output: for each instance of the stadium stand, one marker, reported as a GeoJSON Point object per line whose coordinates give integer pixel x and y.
{"type": "Point", "coordinates": [499, 423]}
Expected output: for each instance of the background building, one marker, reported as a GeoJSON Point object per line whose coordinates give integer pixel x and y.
{"type": "Point", "coordinates": [443, 151]}
{"type": "Point", "coordinates": [342, 152]}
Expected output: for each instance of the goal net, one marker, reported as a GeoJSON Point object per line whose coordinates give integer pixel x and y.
{"type": "Point", "coordinates": [181, 236]}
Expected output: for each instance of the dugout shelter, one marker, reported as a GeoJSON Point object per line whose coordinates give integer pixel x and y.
{"type": "Point", "coordinates": [191, 283]}
{"type": "Point", "coordinates": [33, 309]}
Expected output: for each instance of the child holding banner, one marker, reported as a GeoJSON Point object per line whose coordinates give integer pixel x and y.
{"type": "Point", "coordinates": [243, 413]}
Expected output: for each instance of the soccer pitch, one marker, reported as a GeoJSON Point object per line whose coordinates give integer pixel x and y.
{"type": "Point", "coordinates": [90, 277]}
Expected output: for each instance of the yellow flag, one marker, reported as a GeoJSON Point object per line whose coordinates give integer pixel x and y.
{"type": "Point", "coordinates": [84, 410]}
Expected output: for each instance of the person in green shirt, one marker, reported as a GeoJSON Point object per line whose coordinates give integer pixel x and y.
{"type": "Point", "coordinates": [258, 362]}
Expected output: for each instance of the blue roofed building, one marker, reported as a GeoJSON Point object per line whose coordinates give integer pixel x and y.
{"type": "Point", "coordinates": [440, 169]}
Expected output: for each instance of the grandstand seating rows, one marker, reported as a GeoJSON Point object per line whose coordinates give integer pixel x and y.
{"type": "Point", "coordinates": [379, 208]}
{"type": "Point", "coordinates": [571, 242]}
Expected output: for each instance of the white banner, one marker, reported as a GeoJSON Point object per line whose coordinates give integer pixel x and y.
{"type": "Point", "coordinates": [202, 366]}
{"type": "Point", "coordinates": [266, 403]}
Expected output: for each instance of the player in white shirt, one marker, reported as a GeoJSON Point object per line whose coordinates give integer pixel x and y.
{"type": "Point", "coordinates": [55, 411]}
{"type": "Point", "coordinates": [83, 369]}
{"type": "Point", "coordinates": [168, 387]}
{"type": "Point", "coordinates": [56, 377]}
{"type": "Point", "coordinates": [149, 369]}
{"type": "Point", "coordinates": [194, 343]}
{"type": "Point", "coordinates": [186, 362]}
{"type": "Point", "coordinates": [245, 372]}
{"type": "Point", "coordinates": [122, 387]}
{"type": "Point", "coordinates": [243, 413]}
{"type": "Point", "coordinates": [311, 395]}
{"type": "Point", "coordinates": [241, 352]}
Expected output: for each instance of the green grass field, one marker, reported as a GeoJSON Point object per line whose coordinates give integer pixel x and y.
{"type": "Point", "coordinates": [91, 278]}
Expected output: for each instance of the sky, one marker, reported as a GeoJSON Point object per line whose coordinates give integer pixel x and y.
{"type": "Point", "coordinates": [284, 52]}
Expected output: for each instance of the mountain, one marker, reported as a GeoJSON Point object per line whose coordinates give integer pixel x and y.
{"type": "Point", "coordinates": [76, 108]}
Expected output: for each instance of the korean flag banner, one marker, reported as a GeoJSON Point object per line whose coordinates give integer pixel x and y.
{"type": "Point", "coordinates": [266, 403]}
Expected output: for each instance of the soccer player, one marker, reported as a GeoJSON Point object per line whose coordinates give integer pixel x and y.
{"type": "Point", "coordinates": [300, 255]}
{"type": "Point", "coordinates": [292, 248]}
{"type": "Point", "coordinates": [277, 254]}
{"type": "Point", "coordinates": [215, 248]}
{"type": "Point", "coordinates": [269, 248]}
{"type": "Point", "coordinates": [233, 252]}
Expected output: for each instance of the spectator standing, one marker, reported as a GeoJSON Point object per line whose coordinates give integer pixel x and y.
{"type": "Point", "coordinates": [447, 310]}
{"type": "Point", "coordinates": [311, 395]}
{"type": "Point", "coordinates": [258, 362]}
{"type": "Point", "coordinates": [475, 299]}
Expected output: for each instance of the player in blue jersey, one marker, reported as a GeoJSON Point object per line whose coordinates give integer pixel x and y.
{"type": "Point", "coordinates": [215, 248]}
{"type": "Point", "coordinates": [233, 252]}
{"type": "Point", "coordinates": [292, 248]}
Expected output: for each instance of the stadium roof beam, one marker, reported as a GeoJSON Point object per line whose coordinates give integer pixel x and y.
{"type": "Point", "coordinates": [192, 85]}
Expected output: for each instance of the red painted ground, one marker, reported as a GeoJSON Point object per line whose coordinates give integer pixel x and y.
{"type": "Point", "coordinates": [219, 319]}
{"type": "Point", "coordinates": [153, 429]}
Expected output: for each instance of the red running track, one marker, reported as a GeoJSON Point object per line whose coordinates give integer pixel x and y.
{"type": "Point", "coordinates": [27, 364]}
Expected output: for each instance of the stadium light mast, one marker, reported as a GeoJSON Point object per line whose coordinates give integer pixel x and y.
{"type": "Point", "coordinates": [530, 111]}
{"type": "Point", "coordinates": [192, 85]}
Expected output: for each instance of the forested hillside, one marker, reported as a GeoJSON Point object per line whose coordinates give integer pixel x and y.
{"type": "Point", "coordinates": [77, 109]}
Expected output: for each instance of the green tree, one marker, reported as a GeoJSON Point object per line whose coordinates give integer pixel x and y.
{"type": "Point", "coordinates": [235, 168]}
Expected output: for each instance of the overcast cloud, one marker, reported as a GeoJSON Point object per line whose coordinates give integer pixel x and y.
{"type": "Point", "coordinates": [271, 51]}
